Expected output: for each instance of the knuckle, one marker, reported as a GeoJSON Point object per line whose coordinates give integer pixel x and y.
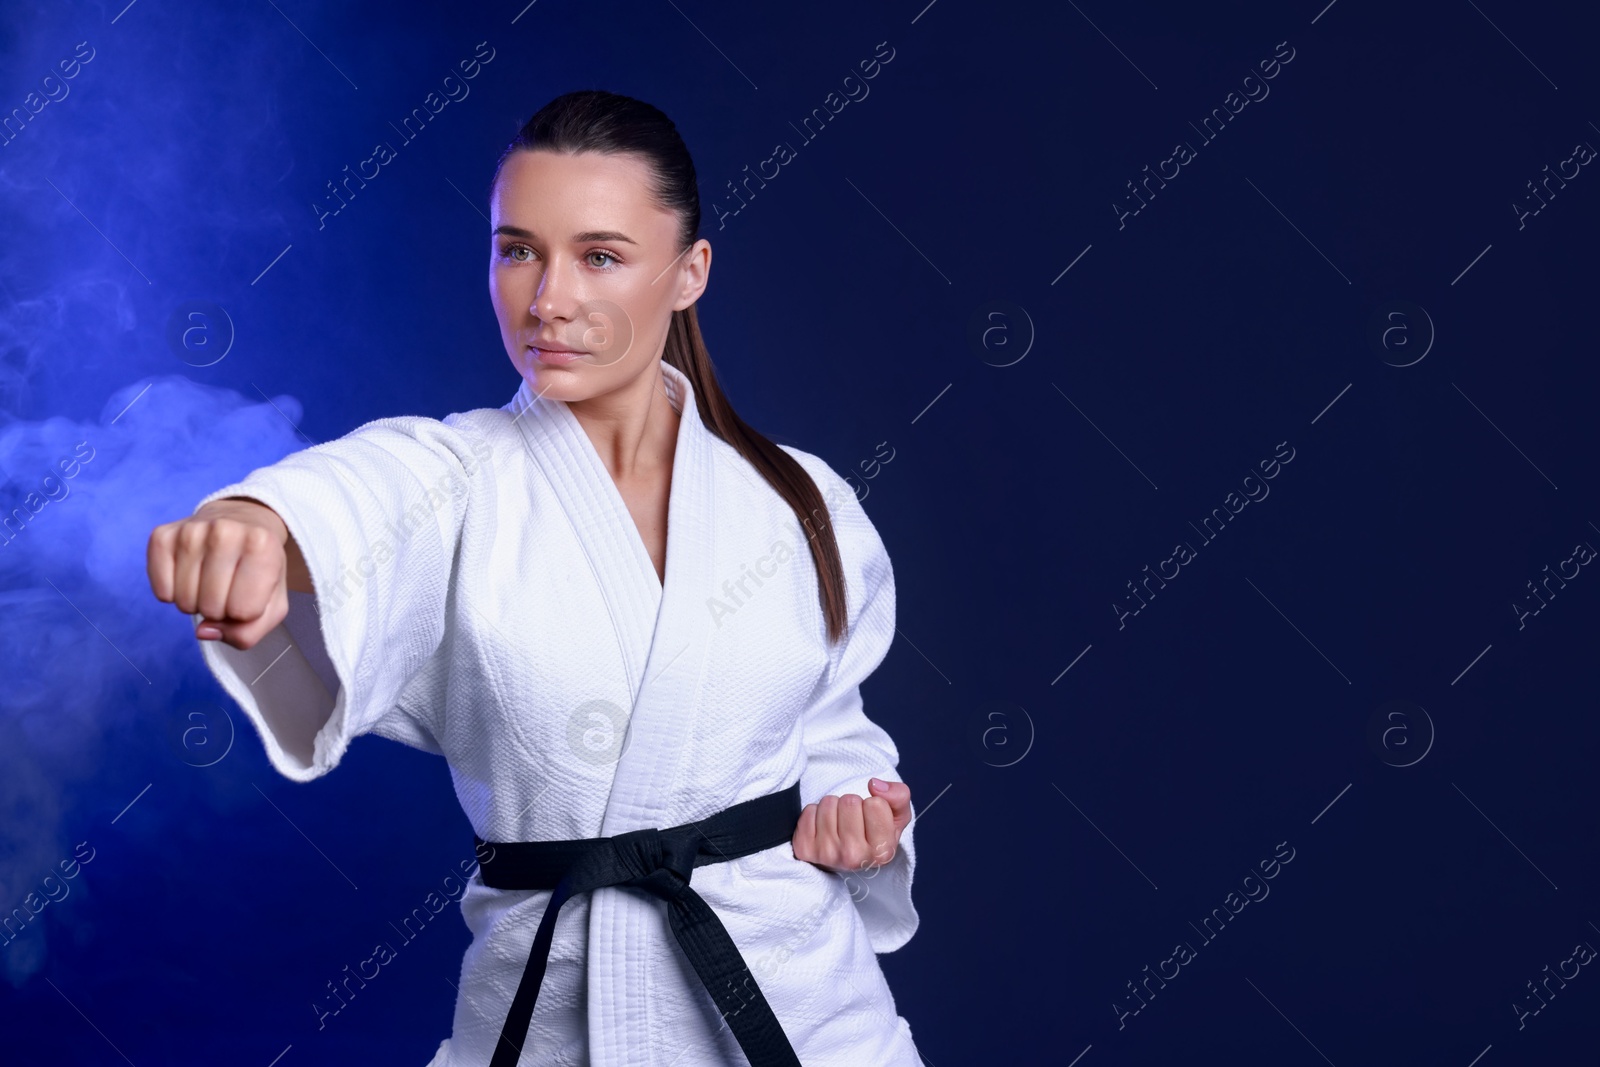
{"type": "Point", "coordinates": [192, 534]}
{"type": "Point", "coordinates": [220, 533]}
{"type": "Point", "coordinates": [258, 539]}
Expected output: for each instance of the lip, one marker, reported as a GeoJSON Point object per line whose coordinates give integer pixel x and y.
{"type": "Point", "coordinates": [556, 354]}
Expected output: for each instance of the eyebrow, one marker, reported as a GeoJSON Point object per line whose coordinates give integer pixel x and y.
{"type": "Point", "coordinates": [578, 238]}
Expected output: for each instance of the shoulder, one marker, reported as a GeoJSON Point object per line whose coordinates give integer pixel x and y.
{"type": "Point", "coordinates": [869, 585]}
{"type": "Point", "coordinates": [840, 507]}
{"type": "Point", "coordinates": [837, 494]}
{"type": "Point", "coordinates": [832, 486]}
{"type": "Point", "coordinates": [467, 441]}
{"type": "Point", "coordinates": [829, 484]}
{"type": "Point", "coordinates": [481, 423]}
{"type": "Point", "coordinates": [861, 548]}
{"type": "Point", "coordinates": [481, 433]}
{"type": "Point", "coordinates": [473, 424]}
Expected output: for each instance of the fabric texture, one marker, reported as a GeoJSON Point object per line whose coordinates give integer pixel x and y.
{"type": "Point", "coordinates": [483, 594]}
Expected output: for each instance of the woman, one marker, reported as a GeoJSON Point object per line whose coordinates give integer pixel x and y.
{"type": "Point", "coordinates": [594, 603]}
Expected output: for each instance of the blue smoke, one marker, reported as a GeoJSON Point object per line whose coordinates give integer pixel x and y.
{"type": "Point", "coordinates": [94, 663]}
{"type": "Point", "coordinates": [113, 199]}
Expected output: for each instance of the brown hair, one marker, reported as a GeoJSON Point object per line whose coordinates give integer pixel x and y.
{"type": "Point", "coordinates": [592, 120]}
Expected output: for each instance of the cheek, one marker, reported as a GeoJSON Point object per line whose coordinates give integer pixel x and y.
{"type": "Point", "coordinates": [505, 294]}
{"type": "Point", "coordinates": [645, 314]}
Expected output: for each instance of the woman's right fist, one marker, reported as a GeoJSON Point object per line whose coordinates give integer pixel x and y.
{"type": "Point", "coordinates": [230, 563]}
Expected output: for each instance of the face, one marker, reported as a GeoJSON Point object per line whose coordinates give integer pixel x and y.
{"type": "Point", "coordinates": [582, 259]}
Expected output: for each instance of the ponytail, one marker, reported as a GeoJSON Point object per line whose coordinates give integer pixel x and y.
{"type": "Point", "coordinates": [686, 350]}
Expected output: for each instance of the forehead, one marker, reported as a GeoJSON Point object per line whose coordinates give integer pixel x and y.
{"type": "Point", "coordinates": [557, 194]}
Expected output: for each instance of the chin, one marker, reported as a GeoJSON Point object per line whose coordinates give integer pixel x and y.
{"type": "Point", "coordinates": [568, 384]}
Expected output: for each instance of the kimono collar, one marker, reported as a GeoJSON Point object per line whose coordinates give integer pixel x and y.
{"type": "Point", "coordinates": [680, 393]}
{"type": "Point", "coordinates": [663, 630]}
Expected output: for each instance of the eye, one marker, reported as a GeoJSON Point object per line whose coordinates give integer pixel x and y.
{"type": "Point", "coordinates": [511, 252]}
{"type": "Point", "coordinates": [614, 260]}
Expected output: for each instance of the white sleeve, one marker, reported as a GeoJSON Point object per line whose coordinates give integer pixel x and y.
{"type": "Point", "coordinates": [378, 516]}
{"type": "Point", "coordinates": [843, 747]}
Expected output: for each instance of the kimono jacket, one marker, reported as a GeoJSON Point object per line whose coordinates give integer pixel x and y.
{"type": "Point", "coordinates": [482, 593]}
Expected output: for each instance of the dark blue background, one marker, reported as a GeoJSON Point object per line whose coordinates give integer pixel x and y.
{"type": "Point", "coordinates": [1181, 348]}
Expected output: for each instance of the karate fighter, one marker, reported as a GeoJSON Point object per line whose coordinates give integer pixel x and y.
{"type": "Point", "coordinates": [634, 627]}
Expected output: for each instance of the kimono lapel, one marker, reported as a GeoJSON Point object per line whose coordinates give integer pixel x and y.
{"type": "Point", "coordinates": [668, 698]}
{"type": "Point", "coordinates": [665, 634]}
{"type": "Point", "coordinates": [662, 629]}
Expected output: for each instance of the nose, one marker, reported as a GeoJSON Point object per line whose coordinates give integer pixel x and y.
{"type": "Point", "coordinates": [554, 299]}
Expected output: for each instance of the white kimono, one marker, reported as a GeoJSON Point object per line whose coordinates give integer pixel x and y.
{"type": "Point", "coordinates": [482, 593]}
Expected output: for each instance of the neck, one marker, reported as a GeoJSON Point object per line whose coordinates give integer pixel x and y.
{"type": "Point", "coordinates": [633, 428]}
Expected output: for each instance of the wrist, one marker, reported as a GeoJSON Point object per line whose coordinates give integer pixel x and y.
{"type": "Point", "coordinates": [246, 509]}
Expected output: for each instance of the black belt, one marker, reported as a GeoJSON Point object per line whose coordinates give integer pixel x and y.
{"type": "Point", "coordinates": [659, 862]}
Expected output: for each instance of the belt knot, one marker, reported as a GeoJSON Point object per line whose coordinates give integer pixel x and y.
{"type": "Point", "coordinates": [660, 864]}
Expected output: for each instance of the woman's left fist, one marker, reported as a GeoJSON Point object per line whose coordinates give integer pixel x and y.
{"type": "Point", "coordinates": [850, 832]}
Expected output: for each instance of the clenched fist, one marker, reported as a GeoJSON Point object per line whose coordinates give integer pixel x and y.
{"type": "Point", "coordinates": [849, 832]}
{"type": "Point", "coordinates": [232, 562]}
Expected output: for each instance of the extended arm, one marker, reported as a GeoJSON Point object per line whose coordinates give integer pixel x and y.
{"type": "Point", "coordinates": [363, 531]}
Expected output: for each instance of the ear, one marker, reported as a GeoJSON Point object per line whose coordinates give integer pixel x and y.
{"type": "Point", "coordinates": [695, 262]}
